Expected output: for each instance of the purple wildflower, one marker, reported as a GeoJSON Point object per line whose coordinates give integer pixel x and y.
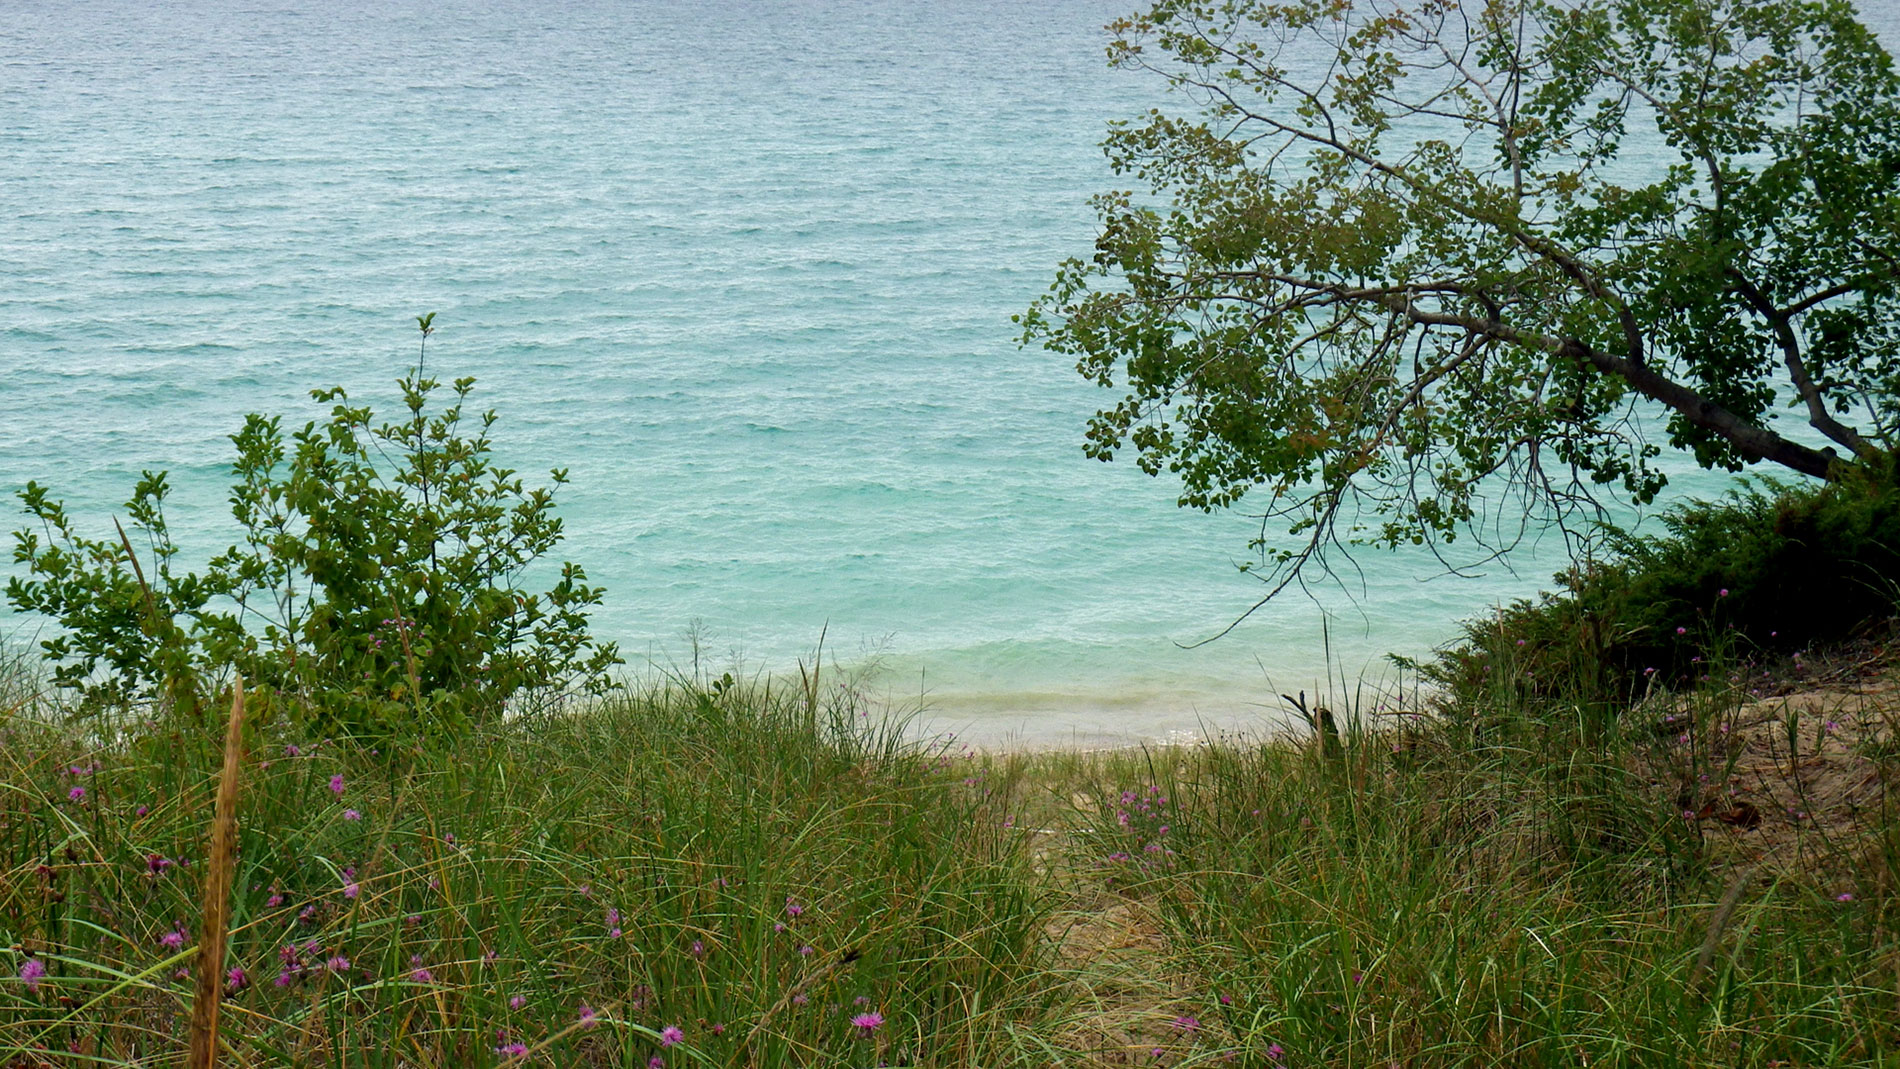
{"type": "Point", "coordinates": [1844, 896]}
{"type": "Point", "coordinates": [867, 1023]}
{"type": "Point", "coordinates": [671, 1035]}
{"type": "Point", "coordinates": [336, 783]}
{"type": "Point", "coordinates": [236, 980]}
{"type": "Point", "coordinates": [587, 1016]}
{"type": "Point", "coordinates": [422, 976]}
{"type": "Point", "coordinates": [172, 940]}
{"type": "Point", "coordinates": [512, 1050]}
{"type": "Point", "coordinates": [77, 794]}
{"type": "Point", "coordinates": [339, 963]}
{"type": "Point", "coordinates": [1185, 1023]}
{"type": "Point", "coordinates": [792, 908]}
{"type": "Point", "coordinates": [515, 1002]}
{"type": "Point", "coordinates": [351, 814]}
{"type": "Point", "coordinates": [350, 890]}
{"type": "Point", "coordinates": [32, 971]}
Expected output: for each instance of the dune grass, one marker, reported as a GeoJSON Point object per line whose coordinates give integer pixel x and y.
{"type": "Point", "coordinates": [732, 874]}
{"type": "Point", "coordinates": [1522, 889]}
{"type": "Point", "coordinates": [756, 870]}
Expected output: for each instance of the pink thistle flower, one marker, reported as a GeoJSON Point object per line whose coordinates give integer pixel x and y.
{"type": "Point", "coordinates": [292, 750]}
{"type": "Point", "coordinates": [515, 1002]}
{"type": "Point", "coordinates": [699, 949]}
{"type": "Point", "coordinates": [800, 999]}
{"type": "Point", "coordinates": [235, 980]}
{"type": "Point", "coordinates": [656, 1062]}
{"type": "Point", "coordinates": [350, 890]}
{"type": "Point", "coordinates": [867, 1023]}
{"type": "Point", "coordinates": [339, 963]}
{"type": "Point", "coordinates": [77, 794]}
{"type": "Point", "coordinates": [141, 811]}
{"type": "Point", "coordinates": [1682, 630]}
{"type": "Point", "coordinates": [792, 908]}
{"type": "Point", "coordinates": [512, 1050]}
{"type": "Point", "coordinates": [719, 1029]}
{"type": "Point", "coordinates": [351, 814]}
{"type": "Point", "coordinates": [1185, 1023]}
{"type": "Point", "coordinates": [804, 952]}
{"type": "Point", "coordinates": [587, 1016]}
{"type": "Point", "coordinates": [422, 976]}
{"type": "Point", "coordinates": [32, 971]}
{"type": "Point", "coordinates": [172, 940]}
{"type": "Point", "coordinates": [671, 1035]}
{"type": "Point", "coordinates": [336, 783]}
{"type": "Point", "coordinates": [1844, 897]}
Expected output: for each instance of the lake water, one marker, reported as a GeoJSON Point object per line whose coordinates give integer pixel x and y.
{"type": "Point", "coordinates": [745, 269]}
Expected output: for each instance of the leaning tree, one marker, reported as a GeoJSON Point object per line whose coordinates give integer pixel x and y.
{"type": "Point", "coordinates": [1465, 267]}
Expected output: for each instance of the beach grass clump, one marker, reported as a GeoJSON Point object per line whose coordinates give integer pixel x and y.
{"type": "Point", "coordinates": [681, 875]}
{"type": "Point", "coordinates": [1550, 891]}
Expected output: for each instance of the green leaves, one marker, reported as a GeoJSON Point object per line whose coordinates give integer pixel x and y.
{"type": "Point", "coordinates": [1424, 270]}
{"type": "Point", "coordinates": [382, 585]}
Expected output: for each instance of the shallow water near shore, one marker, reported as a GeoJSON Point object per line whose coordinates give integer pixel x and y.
{"type": "Point", "coordinates": [745, 270]}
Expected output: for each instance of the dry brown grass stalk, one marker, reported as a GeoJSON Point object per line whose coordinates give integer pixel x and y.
{"type": "Point", "coordinates": [210, 988]}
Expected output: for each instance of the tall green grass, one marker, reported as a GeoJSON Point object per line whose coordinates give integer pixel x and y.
{"type": "Point", "coordinates": [1533, 895]}
{"type": "Point", "coordinates": [753, 868]}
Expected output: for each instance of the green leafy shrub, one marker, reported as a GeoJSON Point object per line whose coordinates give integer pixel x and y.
{"type": "Point", "coordinates": [380, 584]}
{"type": "Point", "coordinates": [1769, 570]}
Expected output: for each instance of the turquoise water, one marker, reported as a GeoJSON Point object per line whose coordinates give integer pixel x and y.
{"type": "Point", "coordinates": [745, 269]}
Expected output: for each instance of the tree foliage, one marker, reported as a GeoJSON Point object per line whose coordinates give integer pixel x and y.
{"type": "Point", "coordinates": [380, 587]}
{"type": "Point", "coordinates": [1446, 268]}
